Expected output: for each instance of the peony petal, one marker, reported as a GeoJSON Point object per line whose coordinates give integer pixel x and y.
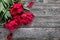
{"type": "Point", "coordinates": [30, 4]}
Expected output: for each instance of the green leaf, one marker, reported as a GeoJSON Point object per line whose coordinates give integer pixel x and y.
{"type": "Point", "coordinates": [23, 2]}
{"type": "Point", "coordinates": [17, 0]}
{"type": "Point", "coordinates": [6, 1]}
{"type": "Point", "coordinates": [7, 14]}
{"type": "Point", "coordinates": [26, 9]}
{"type": "Point", "coordinates": [1, 7]}
{"type": "Point", "coordinates": [10, 2]}
{"type": "Point", "coordinates": [4, 11]}
{"type": "Point", "coordinates": [0, 0]}
{"type": "Point", "coordinates": [2, 19]}
{"type": "Point", "coordinates": [4, 4]}
{"type": "Point", "coordinates": [1, 13]}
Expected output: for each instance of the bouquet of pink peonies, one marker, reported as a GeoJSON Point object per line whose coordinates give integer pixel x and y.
{"type": "Point", "coordinates": [13, 13]}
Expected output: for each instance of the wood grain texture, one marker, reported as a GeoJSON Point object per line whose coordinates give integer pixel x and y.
{"type": "Point", "coordinates": [46, 24]}
{"type": "Point", "coordinates": [32, 33]}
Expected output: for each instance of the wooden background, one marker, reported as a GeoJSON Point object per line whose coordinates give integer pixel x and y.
{"type": "Point", "coordinates": [46, 25]}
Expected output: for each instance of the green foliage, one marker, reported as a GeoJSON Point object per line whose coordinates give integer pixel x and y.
{"type": "Point", "coordinates": [17, 1]}
{"type": "Point", "coordinates": [0, 0]}
{"type": "Point", "coordinates": [1, 7]}
{"type": "Point", "coordinates": [4, 4]}
{"type": "Point", "coordinates": [23, 2]}
{"type": "Point", "coordinates": [2, 18]}
{"type": "Point", "coordinates": [4, 10]}
{"type": "Point", "coordinates": [26, 9]}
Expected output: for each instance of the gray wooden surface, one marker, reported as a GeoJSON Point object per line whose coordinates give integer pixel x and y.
{"type": "Point", "coordinates": [46, 24]}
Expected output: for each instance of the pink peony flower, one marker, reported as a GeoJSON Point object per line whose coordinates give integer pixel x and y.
{"type": "Point", "coordinates": [16, 8]}
{"type": "Point", "coordinates": [11, 25]}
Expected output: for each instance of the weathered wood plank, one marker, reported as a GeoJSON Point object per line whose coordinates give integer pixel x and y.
{"type": "Point", "coordinates": [54, 1]}
{"type": "Point", "coordinates": [32, 33]}
{"type": "Point", "coordinates": [45, 1]}
{"type": "Point", "coordinates": [36, 39]}
{"type": "Point", "coordinates": [45, 10]}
